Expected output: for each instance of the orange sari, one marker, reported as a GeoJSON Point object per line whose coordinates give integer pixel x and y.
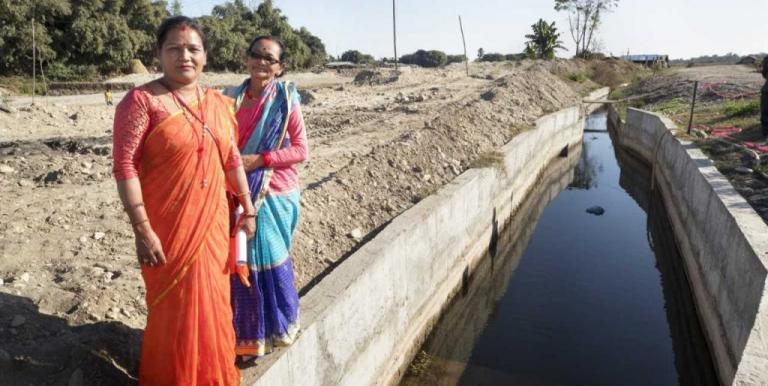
{"type": "Point", "coordinates": [189, 338]}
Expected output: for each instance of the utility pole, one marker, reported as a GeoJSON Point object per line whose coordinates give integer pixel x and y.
{"type": "Point", "coordinates": [34, 58]}
{"type": "Point", "coordinates": [464, 42]}
{"type": "Point", "coordinates": [394, 31]}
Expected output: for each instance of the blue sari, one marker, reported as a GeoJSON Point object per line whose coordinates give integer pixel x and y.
{"type": "Point", "coordinates": [266, 315]}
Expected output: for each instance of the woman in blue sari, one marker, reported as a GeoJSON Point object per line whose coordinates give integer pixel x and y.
{"type": "Point", "coordinates": [272, 141]}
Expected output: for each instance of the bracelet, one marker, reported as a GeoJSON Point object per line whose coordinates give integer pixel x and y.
{"type": "Point", "coordinates": [246, 215]}
{"type": "Point", "coordinates": [137, 223]}
{"type": "Point", "coordinates": [134, 206]}
{"type": "Point", "coordinates": [244, 194]}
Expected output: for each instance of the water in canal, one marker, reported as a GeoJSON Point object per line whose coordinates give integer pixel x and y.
{"type": "Point", "coordinates": [565, 297]}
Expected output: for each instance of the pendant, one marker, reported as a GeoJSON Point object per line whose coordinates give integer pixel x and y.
{"type": "Point", "coordinates": [204, 183]}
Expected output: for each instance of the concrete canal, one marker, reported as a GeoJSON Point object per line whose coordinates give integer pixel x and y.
{"type": "Point", "coordinates": [569, 297]}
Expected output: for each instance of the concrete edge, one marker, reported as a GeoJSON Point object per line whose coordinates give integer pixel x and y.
{"type": "Point", "coordinates": [722, 240]}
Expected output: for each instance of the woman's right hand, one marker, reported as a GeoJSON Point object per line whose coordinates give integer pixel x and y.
{"type": "Point", "coordinates": [148, 246]}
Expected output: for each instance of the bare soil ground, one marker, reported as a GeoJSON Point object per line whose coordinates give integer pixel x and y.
{"type": "Point", "coordinates": [71, 295]}
{"type": "Point", "coordinates": [728, 96]}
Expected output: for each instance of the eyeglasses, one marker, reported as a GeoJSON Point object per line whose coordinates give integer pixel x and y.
{"type": "Point", "coordinates": [266, 58]}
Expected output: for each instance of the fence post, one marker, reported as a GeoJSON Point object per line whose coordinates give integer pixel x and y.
{"type": "Point", "coordinates": [693, 104]}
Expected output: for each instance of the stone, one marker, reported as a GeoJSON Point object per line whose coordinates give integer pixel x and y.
{"type": "Point", "coordinates": [83, 239]}
{"type": "Point", "coordinates": [488, 95]}
{"type": "Point", "coordinates": [596, 210]}
{"type": "Point", "coordinates": [98, 235]}
{"type": "Point", "coordinates": [356, 234]}
{"type": "Point", "coordinates": [18, 320]}
{"type": "Point", "coordinates": [73, 117]}
{"type": "Point", "coordinates": [5, 169]}
{"type": "Point", "coordinates": [5, 357]}
{"type": "Point", "coordinates": [2, 282]}
{"type": "Point", "coordinates": [76, 379]}
{"type": "Point", "coordinates": [25, 277]}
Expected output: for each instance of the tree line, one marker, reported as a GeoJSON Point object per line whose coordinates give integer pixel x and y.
{"type": "Point", "coordinates": [77, 39]}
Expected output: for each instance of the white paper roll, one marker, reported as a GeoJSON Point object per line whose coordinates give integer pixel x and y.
{"type": "Point", "coordinates": [241, 241]}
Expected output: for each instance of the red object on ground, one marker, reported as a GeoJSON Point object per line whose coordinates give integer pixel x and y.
{"type": "Point", "coordinates": [723, 131]}
{"type": "Point", "coordinates": [762, 148]}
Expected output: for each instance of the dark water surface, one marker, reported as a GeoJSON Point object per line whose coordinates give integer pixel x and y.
{"type": "Point", "coordinates": [566, 297]}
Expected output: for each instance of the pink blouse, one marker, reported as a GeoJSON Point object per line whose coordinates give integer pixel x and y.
{"type": "Point", "coordinates": [135, 117]}
{"type": "Point", "coordinates": [285, 176]}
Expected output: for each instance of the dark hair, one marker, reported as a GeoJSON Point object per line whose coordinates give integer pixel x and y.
{"type": "Point", "coordinates": [174, 22]}
{"type": "Point", "coordinates": [271, 38]}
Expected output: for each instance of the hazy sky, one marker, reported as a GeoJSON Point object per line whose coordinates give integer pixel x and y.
{"type": "Point", "coordinates": [679, 28]}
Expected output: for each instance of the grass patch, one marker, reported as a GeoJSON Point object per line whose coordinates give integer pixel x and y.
{"type": "Point", "coordinates": [21, 85]}
{"type": "Point", "coordinates": [420, 364]}
{"type": "Point", "coordinates": [577, 77]}
{"type": "Point", "coordinates": [741, 108]}
{"type": "Point", "coordinates": [674, 107]}
{"type": "Point", "coordinates": [493, 159]}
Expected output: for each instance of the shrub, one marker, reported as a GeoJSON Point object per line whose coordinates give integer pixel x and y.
{"type": "Point", "coordinates": [492, 57]}
{"type": "Point", "coordinates": [577, 77]}
{"type": "Point", "coordinates": [424, 58]}
{"type": "Point", "coordinates": [455, 59]}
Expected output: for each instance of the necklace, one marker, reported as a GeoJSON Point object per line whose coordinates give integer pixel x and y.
{"type": "Point", "coordinates": [187, 111]}
{"type": "Point", "coordinates": [249, 95]}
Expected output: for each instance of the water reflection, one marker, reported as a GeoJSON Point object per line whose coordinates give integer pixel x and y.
{"type": "Point", "coordinates": [585, 173]}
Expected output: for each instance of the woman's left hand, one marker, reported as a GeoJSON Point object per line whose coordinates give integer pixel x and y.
{"type": "Point", "coordinates": [252, 161]}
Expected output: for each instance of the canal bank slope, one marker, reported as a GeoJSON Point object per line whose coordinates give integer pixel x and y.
{"type": "Point", "coordinates": [363, 322]}
{"type": "Point", "coordinates": [721, 238]}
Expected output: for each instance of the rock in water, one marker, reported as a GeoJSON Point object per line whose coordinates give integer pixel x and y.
{"type": "Point", "coordinates": [596, 210]}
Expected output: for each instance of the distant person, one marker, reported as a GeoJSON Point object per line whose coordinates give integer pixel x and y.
{"type": "Point", "coordinates": [764, 99]}
{"type": "Point", "coordinates": [174, 156]}
{"type": "Point", "coordinates": [272, 142]}
{"type": "Point", "coordinates": [108, 96]}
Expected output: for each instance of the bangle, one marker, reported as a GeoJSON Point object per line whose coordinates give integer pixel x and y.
{"type": "Point", "coordinates": [137, 223]}
{"type": "Point", "coordinates": [246, 215]}
{"type": "Point", "coordinates": [243, 194]}
{"type": "Point", "coordinates": [134, 206]}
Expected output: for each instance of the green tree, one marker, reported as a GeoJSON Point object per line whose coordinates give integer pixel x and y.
{"type": "Point", "coordinates": [317, 55]}
{"type": "Point", "coordinates": [176, 8]}
{"type": "Point", "coordinates": [544, 40]}
{"type": "Point", "coordinates": [16, 20]}
{"type": "Point", "coordinates": [356, 56]}
{"type": "Point", "coordinates": [584, 18]}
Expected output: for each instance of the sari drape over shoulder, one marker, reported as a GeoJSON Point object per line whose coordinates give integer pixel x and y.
{"type": "Point", "coordinates": [267, 314]}
{"type": "Point", "coordinates": [189, 339]}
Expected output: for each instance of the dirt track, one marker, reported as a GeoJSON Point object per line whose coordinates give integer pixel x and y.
{"type": "Point", "coordinates": [72, 295]}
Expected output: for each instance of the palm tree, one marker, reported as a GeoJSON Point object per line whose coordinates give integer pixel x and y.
{"type": "Point", "coordinates": [544, 40]}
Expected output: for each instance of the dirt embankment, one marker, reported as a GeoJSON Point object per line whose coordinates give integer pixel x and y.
{"type": "Point", "coordinates": [72, 296]}
{"type": "Point", "coordinates": [725, 123]}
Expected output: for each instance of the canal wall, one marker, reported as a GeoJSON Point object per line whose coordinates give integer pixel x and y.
{"type": "Point", "coordinates": [723, 241]}
{"type": "Point", "coordinates": [362, 324]}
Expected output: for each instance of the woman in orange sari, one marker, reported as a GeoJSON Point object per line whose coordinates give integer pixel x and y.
{"type": "Point", "coordinates": [175, 155]}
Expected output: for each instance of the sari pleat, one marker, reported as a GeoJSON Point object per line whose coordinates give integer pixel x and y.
{"type": "Point", "coordinates": [189, 339]}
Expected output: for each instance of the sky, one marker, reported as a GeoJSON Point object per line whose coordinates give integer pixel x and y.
{"type": "Point", "coordinates": [678, 28]}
